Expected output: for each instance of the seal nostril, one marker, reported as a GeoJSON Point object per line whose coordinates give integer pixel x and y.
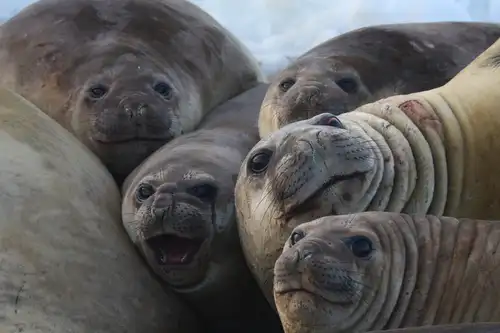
{"type": "Point", "coordinates": [205, 191]}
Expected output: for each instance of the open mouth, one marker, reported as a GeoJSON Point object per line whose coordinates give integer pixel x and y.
{"type": "Point", "coordinates": [304, 206]}
{"type": "Point", "coordinates": [174, 250]}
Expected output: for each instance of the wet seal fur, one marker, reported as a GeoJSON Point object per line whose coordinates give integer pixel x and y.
{"type": "Point", "coordinates": [367, 64]}
{"type": "Point", "coordinates": [67, 263]}
{"type": "Point", "coordinates": [434, 152]}
{"type": "Point", "coordinates": [381, 270]}
{"type": "Point", "coordinates": [124, 77]}
{"type": "Point", "coordinates": [178, 208]}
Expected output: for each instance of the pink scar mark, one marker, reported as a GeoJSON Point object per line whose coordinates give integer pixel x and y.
{"type": "Point", "coordinates": [421, 116]}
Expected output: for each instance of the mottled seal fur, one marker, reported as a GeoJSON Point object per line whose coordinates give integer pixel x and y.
{"type": "Point", "coordinates": [124, 77]}
{"type": "Point", "coordinates": [370, 63]}
{"type": "Point", "coordinates": [178, 208]}
{"type": "Point", "coordinates": [381, 270]}
{"type": "Point", "coordinates": [451, 328]}
{"type": "Point", "coordinates": [67, 263]}
{"type": "Point", "coordinates": [432, 152]}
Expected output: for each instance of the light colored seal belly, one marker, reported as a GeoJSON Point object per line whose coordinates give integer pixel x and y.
{"type": "Point", "coordinates": [433, 152]}
{"type": "Point", "coordinates": [381, 270]}
{"type": "Point", "coordinates": [66, 262]}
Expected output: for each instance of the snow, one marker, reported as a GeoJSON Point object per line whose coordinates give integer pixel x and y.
{"type": "Point", "coordinates": [276, 31]}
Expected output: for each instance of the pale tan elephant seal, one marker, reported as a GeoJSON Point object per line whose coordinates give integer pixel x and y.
{"type": "Point", "coordinates": [380, 270]}
{"type": "Point", "coordinates": [433, 152]}
{"type": "Point", "coordinates": [124, 77]}
{"type": "Point", "coordinates": [370, 63]}
{"type": "Point", "coordinates": [178, 208]}
{"type": "Point", "coordinates": [66, 262]}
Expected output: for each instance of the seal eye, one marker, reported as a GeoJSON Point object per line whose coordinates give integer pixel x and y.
{"type": "Point", "coordinates": [296, 237]}
{"type": "Point", "coordinates": [163, 89]}
{"type": "Point", "coordinates": [331, 120]}
{"type": "Point", "coordinates": [348, 85]}
{"type": "Point", "coordinates": [259, 162]}
{"type": "Point", "coordinates": [144, 191]}
{"type": "Point", "coordinates": [361, 246]}
{"type": "Point", "coordinates": [205, 192]}
{"type": "Point", "coordinates": [97, 91]}
{"type": "Point", "coordinates": [286, 84]}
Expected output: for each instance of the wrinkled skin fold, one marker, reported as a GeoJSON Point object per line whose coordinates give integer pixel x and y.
{"type": "Point", "coordinates": [381, 270]}
{"type": "Point", "coordinates": [433, 152]}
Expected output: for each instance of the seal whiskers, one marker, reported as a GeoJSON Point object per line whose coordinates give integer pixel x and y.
{"type": "Point", "coordinates": [408, 270]}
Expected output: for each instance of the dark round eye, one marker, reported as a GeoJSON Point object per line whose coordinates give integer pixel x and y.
{"type": "Point", "coordinates": [286, 84]}
{"type": "Point", "coordinates": [97, 91]}
{"type": "Point", "coordinates": [206, 192]}
{"type": "Point", "coordinates": [331, 120]}
{"type": "Point", "coordinates": [258, 162]}
{"type": "Point", "coordinates": [163, 89]}
{"type": "Point", "coordinates": [361, 246]}
{"type": "Point", "coordinates": [143, 192]}
{"type": "Point", "coordinates": [348, 85]}
{"type": "Point", "coordinates": [296, 237]}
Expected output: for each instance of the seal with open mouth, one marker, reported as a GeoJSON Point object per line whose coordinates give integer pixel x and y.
{"type": "Point", "coordinates": [178, 208]}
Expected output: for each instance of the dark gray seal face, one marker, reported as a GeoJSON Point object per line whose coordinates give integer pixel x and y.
{"type": "Point", "coordinates": [311, 86]}
{"type": "Point", "coordinates": [130, 108]}
{"type": "Point", "coordinates": [328, 275]}
{"type": "Point", "coordinates": [181, 221]}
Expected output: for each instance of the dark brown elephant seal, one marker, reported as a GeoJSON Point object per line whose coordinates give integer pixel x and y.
{"type": "Point", "coordinates": [178, 208]}
{"type": "Point", "coordinates": [432, 152]}
{"type": "Point", "coordinates": [381, 270]}
{"type": "Point", "coordinates": [124, 76]}
{"type": "Point", "coordinates": [67, 264]}
{"type": "Point", "coordinates": [371, 63]}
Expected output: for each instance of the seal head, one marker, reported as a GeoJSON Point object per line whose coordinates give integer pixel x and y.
{"type": "Point", "coordinates": [178, 218]}
{"type": "Point", "coordinates": [310, 86]}
{"type": "Point", "coordinates": [329, 275]}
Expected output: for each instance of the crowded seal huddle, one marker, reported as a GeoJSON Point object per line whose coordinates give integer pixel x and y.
{"type": "Point", "coordinates": [154, 180]}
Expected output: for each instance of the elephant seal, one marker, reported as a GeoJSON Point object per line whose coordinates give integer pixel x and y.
{"type": "Point", "coordinates": [430, 152]}
{"type": "Point", "coordinates": [124, 77]}
{"type": "Point", "coordinates": [178, 208]}
{"type": "Point", "coordinates": [379, 270]}
{"type": "Point", "coordinates": [67, 264]}
{"type": "Point", "coordinates": [367, 64]}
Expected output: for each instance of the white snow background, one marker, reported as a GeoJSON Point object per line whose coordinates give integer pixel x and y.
{"type": "Point", "coordinates": [276, 31]}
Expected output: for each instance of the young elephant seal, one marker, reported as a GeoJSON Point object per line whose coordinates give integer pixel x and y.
{"type": "Point", "coordinates": [124, 76]}
{"type": "Point", "coordinates": [379, 270]}
{"type": "Point", "coordinates": [67, 264]}
{"type": "Point", "coordinates": [371, 63]}
{"type": "Point", "coordinates": [178, 208]}
{"type": "Point", "coordinates": [450, 328]}
{"type": "Point", "coordinates": [432, 152]}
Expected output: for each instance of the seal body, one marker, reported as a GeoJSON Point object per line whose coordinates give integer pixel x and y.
{"type": "Point", "coordinates": [382, 270]}
{"type": "Point", "coordinates": [67, 264]}
{"type": "Point", "coordinates": [124, 77]}
{"type": "Point", "coordinates": [178, 208]}
{"type": "Point", "coordinates": [451, 328]}
{"type": "Point", "coordinates": [367, 64]}
{"type": "Point", "coordinates": [431, 152]}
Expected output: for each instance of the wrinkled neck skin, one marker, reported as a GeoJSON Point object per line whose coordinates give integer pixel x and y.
{"type": "Point", "coordinates": [415, 135]}
{"type": "Point", "coordinates": [430, 277]}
